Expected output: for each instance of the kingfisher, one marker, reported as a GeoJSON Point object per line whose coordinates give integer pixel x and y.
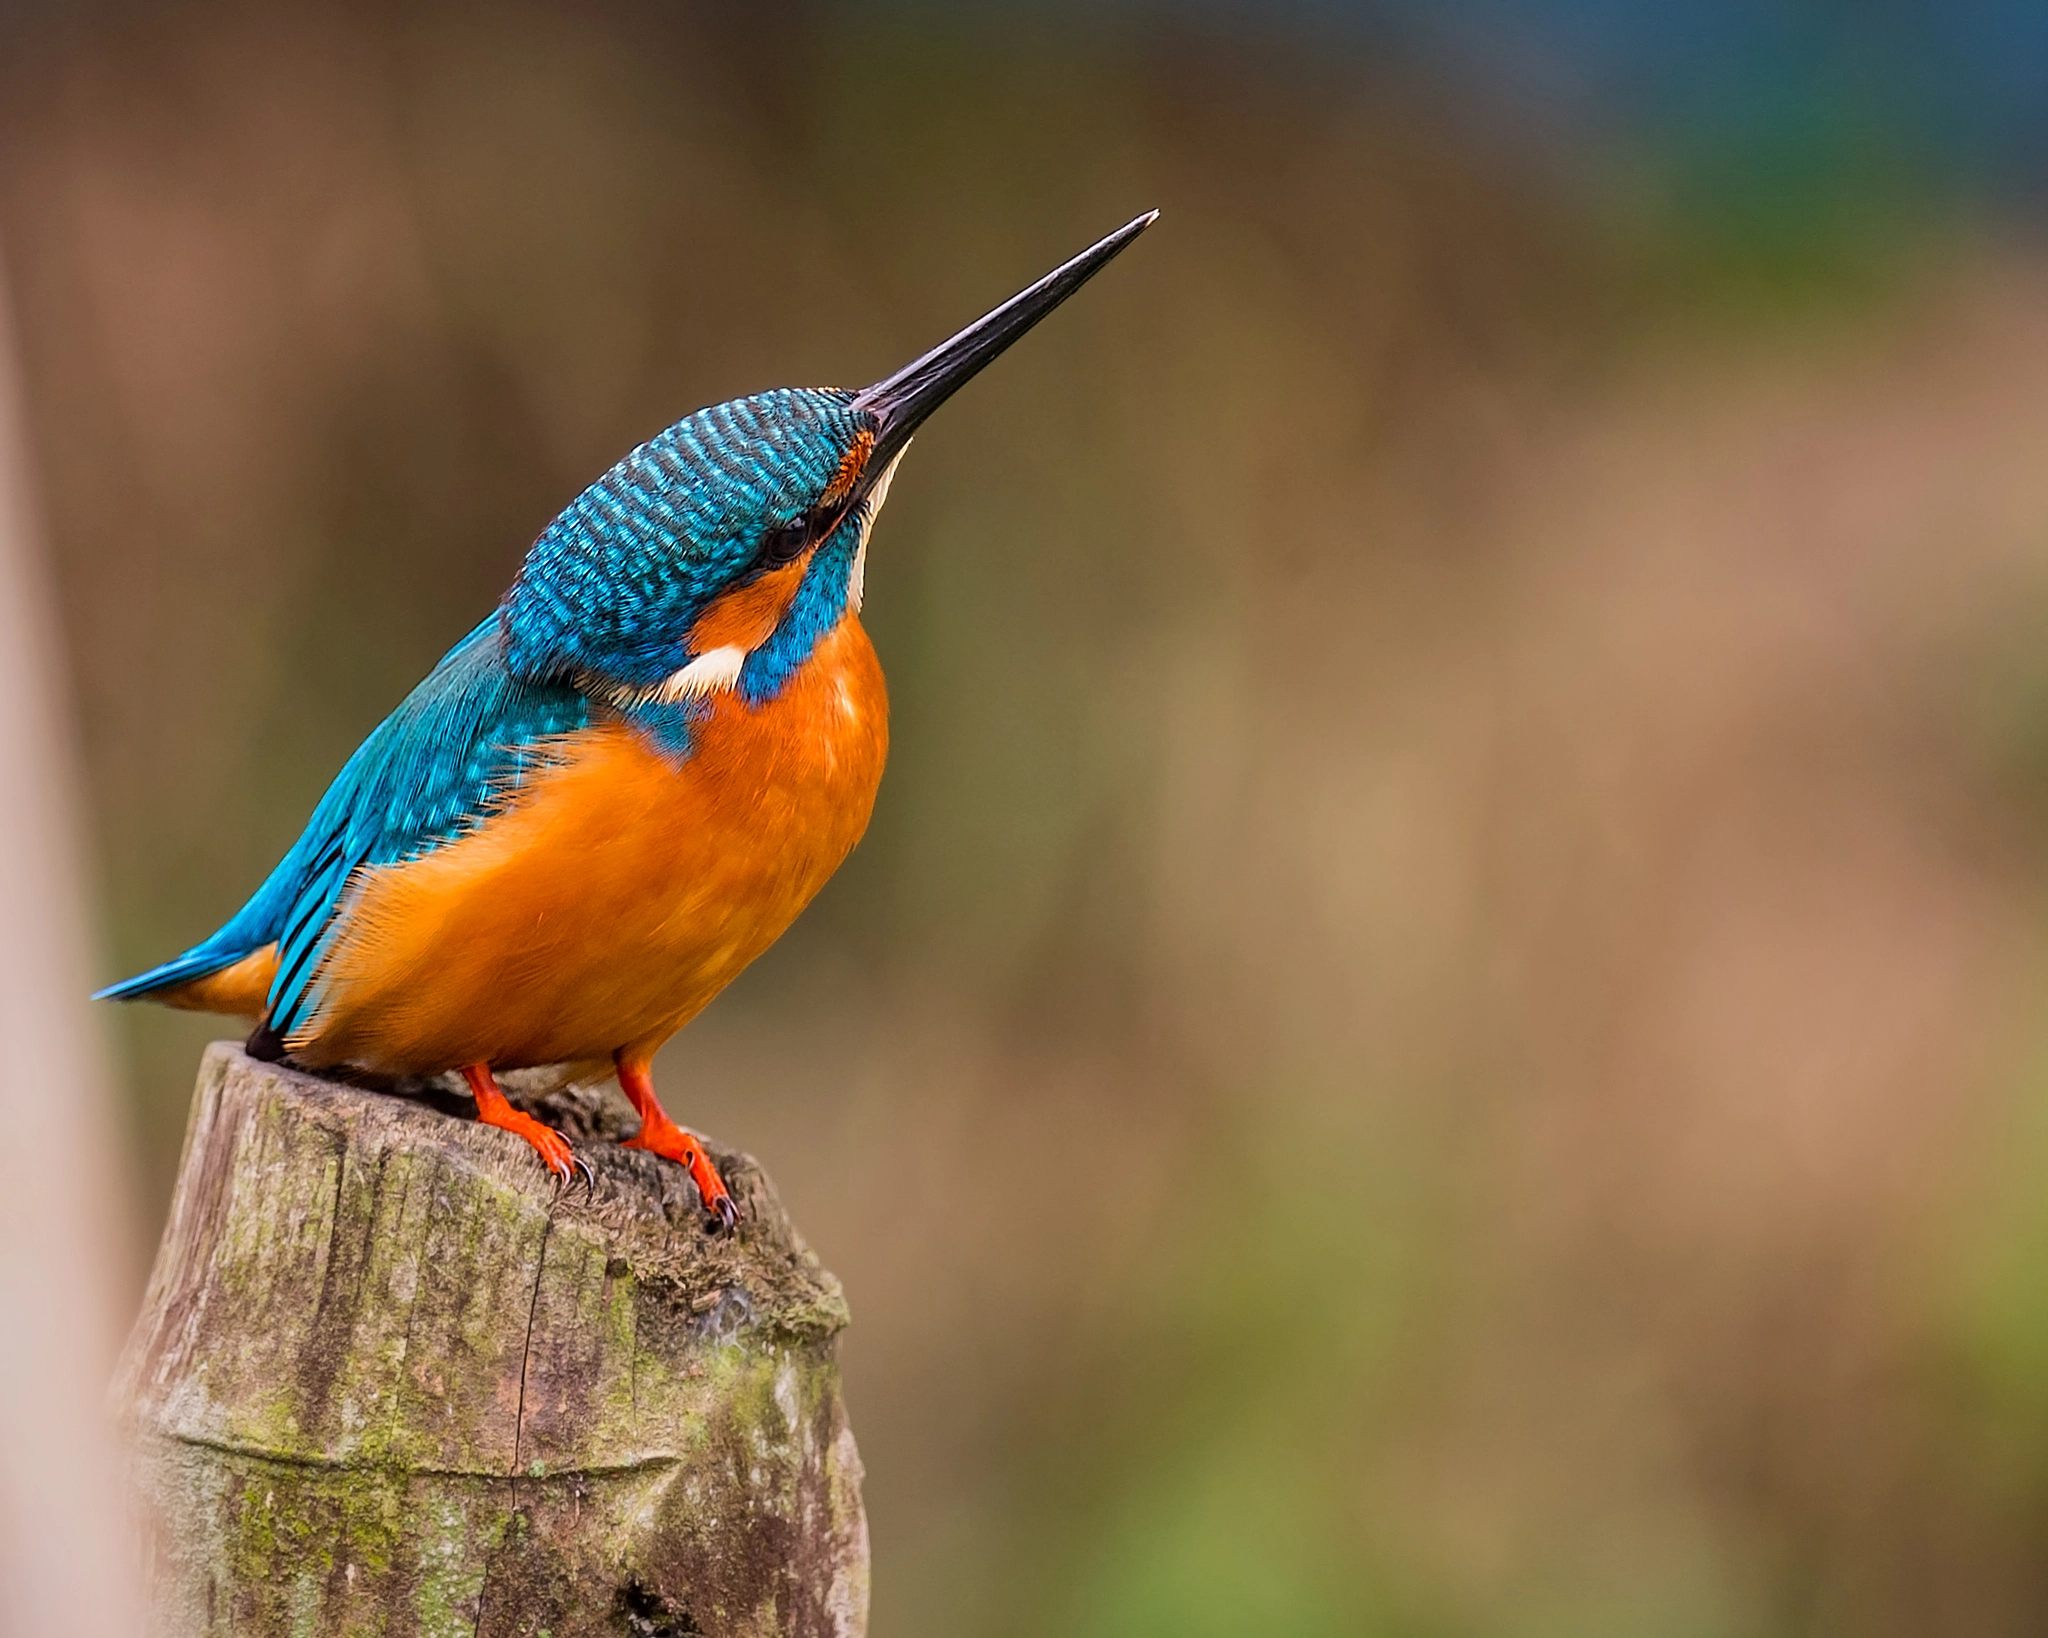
{"type": "Point", "coordinates": [623, 785]}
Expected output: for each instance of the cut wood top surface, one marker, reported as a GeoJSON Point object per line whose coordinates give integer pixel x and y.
{"type": "Point", "coordinates": [387, 1380]}
{"type": "Point", "coordinates": [350, 1276]}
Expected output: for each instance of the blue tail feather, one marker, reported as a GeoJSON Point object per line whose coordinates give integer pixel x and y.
{"type": "Point", "coordinates": [196, 962]}
{"type": "Point", "coordinates": [257, 923]}
{"type": "Point", "coordinates": [248, 929]}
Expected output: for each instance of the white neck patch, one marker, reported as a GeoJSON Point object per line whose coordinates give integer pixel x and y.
{"type": "Point", "coordinates": [709, 673]}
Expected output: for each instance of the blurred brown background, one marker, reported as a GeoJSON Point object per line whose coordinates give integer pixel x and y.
{"type": "Point", "coordinates": [1439, 1031]}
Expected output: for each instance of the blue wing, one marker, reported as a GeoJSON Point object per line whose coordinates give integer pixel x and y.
{"type": "Point", "coordinates": [457, 745]}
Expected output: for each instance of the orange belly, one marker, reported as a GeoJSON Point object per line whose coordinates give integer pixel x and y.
{"type": "Point", "coordinates": [618, 893]}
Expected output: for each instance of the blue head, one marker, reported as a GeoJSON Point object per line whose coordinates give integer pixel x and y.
{"type": "Point", "coordinates": [720, 551]}
{"type": "Point", "coordinates": [614, 592]}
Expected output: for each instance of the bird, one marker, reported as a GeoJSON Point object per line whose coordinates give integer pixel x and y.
{"type": "Point", "coordinates": [623, 784]}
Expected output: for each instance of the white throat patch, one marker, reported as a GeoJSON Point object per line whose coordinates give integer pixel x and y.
{"type": "Point", "coordinates": [871, 508]}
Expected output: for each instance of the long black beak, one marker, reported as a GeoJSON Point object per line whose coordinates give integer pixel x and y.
{"type": "Point", "coordinates": [901, 403]}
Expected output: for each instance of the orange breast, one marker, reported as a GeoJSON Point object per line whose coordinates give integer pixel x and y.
{"type": "Point", "coordinates": [618, 893]}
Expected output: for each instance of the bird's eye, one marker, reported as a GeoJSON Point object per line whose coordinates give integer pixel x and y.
{"type": "Point", "coordinates": [785, 544]}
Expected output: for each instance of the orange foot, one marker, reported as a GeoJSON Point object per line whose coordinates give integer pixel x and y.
{"type": "Point", "coordinates": [549, 1144]}
{"type": "Point", "coordinates": [661, 1136]}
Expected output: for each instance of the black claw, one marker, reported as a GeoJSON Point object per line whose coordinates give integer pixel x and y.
{"type": "Point", "coordinates": [589, 1178]}
{"type": "Point", "coordinates": [725, 1218]}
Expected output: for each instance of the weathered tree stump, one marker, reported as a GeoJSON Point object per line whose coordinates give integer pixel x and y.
{"type": "Point", "coordinates": [386, 1381]}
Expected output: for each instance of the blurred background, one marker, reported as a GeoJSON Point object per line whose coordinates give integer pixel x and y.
{"type": "Point", "coordinates": [1441, 1027]}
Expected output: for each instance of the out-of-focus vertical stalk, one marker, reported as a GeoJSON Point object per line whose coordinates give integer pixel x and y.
{"type": "Point", "coordinates": [67, 1564]}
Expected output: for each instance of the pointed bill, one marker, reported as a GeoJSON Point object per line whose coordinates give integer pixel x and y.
{"type": "Point", "coordinates": [901, 403]}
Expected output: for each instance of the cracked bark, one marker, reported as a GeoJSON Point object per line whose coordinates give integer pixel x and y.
{"type": "Point", "coordinates": [382, 1369]}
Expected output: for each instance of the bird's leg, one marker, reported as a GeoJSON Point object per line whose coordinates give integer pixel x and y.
{"type": "Point", "coordinates": [549, 1144]}
{"type": "Point", "coordinates": [662, 1136]}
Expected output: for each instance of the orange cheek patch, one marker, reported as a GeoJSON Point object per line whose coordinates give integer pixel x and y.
{"type": "Point", "coordinates": [747, 616]}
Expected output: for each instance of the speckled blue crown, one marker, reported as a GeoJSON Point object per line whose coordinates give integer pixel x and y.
{"type": "Point", "coordinates": [614, 584]}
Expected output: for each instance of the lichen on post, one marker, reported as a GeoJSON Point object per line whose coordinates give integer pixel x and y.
{"type": "Point", "coordinates": [386, 1380]}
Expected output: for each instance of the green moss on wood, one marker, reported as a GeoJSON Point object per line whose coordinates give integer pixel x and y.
{"type": "Point", "coordinates": [387, 1383]}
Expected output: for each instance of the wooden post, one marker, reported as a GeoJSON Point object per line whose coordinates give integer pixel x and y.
{"type": "Point", "coordinates": [387, 1381]}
